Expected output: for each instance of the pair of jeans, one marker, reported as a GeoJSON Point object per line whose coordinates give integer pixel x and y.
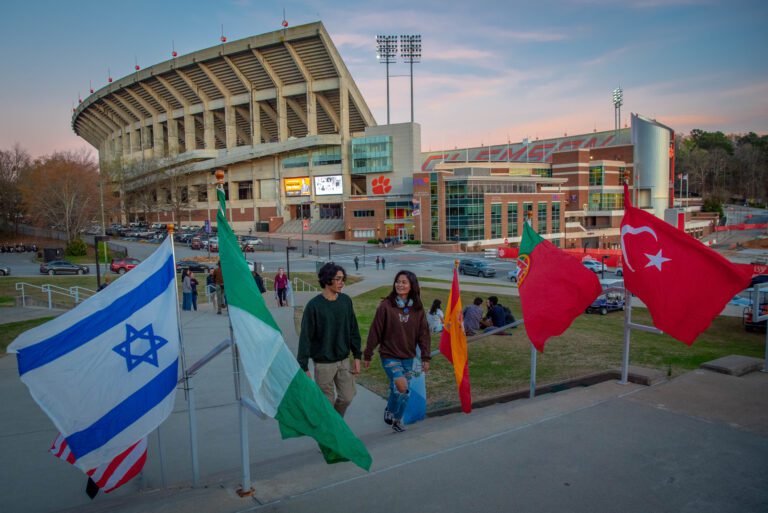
{"type": "Point", "coordinates": [397, 368]}
{"type": "Point", "coordinates": [186, 301]}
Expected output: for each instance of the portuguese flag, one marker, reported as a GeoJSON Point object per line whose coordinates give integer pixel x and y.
{"type": "Point", "coordinates": [554, 287]}
{"type": "Point", "coordinates": [453, 344]}
{"type": "Point", "coordinates": [280, 388]}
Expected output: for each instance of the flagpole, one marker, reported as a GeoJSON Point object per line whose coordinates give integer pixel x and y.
{"type": "Point", "coordinates": [532, 390]}
{"type": "Point", "coordinates": [245, 487]}
{"type": "Point", "coordinates": [627, 332]}
{"type": "Point", "coordinates": [188, 392]}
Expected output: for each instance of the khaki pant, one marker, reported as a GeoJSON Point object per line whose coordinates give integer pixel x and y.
{"type": "Point", "coordinates": [338, 373]}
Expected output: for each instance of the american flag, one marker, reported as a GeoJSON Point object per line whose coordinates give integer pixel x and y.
{"type": "Point", "coordinates": [108, 476]}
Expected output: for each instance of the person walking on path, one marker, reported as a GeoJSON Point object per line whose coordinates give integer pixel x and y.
{"type": "Point", "coordinates": [329, 333]}
{"type": "Point", "coordinates": [218, 280]}
{"type": "Point", "coordinates": [281, 287]}
{"type": "Point", "coordinates": [186, 290]}
{"type": "Point", "coordinates": [357, 263]}
{"type": "Point", "coordinates": [193, 283]}
{"type": "Point", "coordinates": [378, 261]}
{"type": "Point", "coordinates": [383, 263]}
{"type": "Point", "coordinates": [210, 287]}
{"type": "Point", "coordinates": [399, 325]}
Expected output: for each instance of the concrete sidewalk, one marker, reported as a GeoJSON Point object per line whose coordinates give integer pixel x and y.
{"type": "Point", "coordinates": [697, 443]}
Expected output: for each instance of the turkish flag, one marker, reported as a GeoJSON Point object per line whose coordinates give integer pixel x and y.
{"type": "Point", "coordinates": [684, 284]}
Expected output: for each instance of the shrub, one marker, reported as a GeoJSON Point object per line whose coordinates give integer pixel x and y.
{"type": "Point", "coordinates": [412, 242]}
{"type": "Point", "coordinates": [76, 247]}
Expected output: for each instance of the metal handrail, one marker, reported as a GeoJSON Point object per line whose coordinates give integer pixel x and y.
{"type": "Point", "coordinates": [305, 286]}
{"type": "Point", "coordinates": [49, 290]}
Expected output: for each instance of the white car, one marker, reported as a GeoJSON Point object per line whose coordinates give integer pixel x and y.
{"type": "Point", "coordinates": [593, 265]}
{"type": "Point", "coordinates": [513, 274]}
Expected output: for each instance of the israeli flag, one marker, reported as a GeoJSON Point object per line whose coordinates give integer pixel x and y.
{"type": "Point", "coordinates": [106, 372]}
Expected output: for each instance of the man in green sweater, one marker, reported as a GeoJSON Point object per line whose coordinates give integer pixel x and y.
{"type": "Point", "coordinates": [329, 333]}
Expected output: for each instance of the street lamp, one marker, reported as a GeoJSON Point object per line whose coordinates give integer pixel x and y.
{"type": "Point", "coordinates": [604, 257]}
{"type": "Point", "coordinates": [618, 101]}
{"type": "Point", "coordinates": [410, 51]}
{"type": "Point", "coordinates": [330, 243]}
{"type": "Point", "coordinates": [386, 51]}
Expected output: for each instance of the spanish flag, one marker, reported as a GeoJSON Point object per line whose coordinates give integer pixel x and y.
{"type": "Point", "coordinates": [453, 344]}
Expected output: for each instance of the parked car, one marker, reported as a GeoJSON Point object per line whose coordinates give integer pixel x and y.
{"type": "Point", "coordinates": [513, 274]}
{"type": "Point", "coordinates": [123, 265]}
{"type": "Point", "coordinates": [593, 265]}
{"type": "Point", "coordinates": [196, 243]}
{"type": "Point", "coordinates": [476, 268]}
{"type": "Point", "coordinates": [5, 270]}
{"type": "Point", "coordinates": [63, 267]}
{"type": "Point", "coordinates": [192, 265]}
{"type": "Point", "coordinates": [250, 244]}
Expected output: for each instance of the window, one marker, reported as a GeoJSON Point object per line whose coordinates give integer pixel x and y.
{"type": "Point", "coordinates": [245, 190]}
{"type": "Point", "coordinates": [298, 160]}
{"type": "Point", "coordinates": [183, 194]}
{"type": "Point", "coordinates": [330, 210]}
{"type": "Point", "coordinates": [606, 201]}
{"type": "Point", "coordinates": [527, 209]}
{"type": "Point", "coordinates": [202, 193]}
{"type": "Point", "coordinates": [167, 195]}
{"type": "Point", "coordinates": [363, 213]}
{"type": "Point", "coordinates": [326, 156]}
{"type": "Point", "coordinates": [372, 154]}
{"type": "Point", "coordinates": [555, 219]}
{"type": "Point", "coordinates": [496, 220]}
{"type": "Point", "coordinates": [541, 217]}
{"type": "Point", "coordinates": [596, 175]}
{"type": "Point", "coordinates": [545, 172]}
{"type": "Point", "coordinates": [363, 234]}
{"type": "Point", "coordinates": [512, 220]}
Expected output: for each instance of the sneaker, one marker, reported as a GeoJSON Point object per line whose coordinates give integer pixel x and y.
{"type": "Point", "coordinates": [388, 417]}
{"type": "Point", "coordinates": [397, 427]}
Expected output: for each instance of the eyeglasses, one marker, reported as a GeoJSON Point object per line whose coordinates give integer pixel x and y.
{"type": "Point", "coordinates": [339, 278]}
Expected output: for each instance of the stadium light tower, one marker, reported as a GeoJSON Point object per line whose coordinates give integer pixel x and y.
{"type": "Point", "coordinates": [618, 101]}
{"type": "Point", "coordinates": [410, 51]}
{"type": "Point", "coordinates": [386, 51]}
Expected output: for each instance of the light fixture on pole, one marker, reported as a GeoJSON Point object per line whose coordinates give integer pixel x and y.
{"type": "Point", "coordinates": [618, 101]}
{"type": "Point", "coordinates": [410, 51]}
{"type": "Point", "coordinates": [386, 51]}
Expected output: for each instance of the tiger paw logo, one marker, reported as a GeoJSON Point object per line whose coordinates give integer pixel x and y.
{"type": "Point", "coordinates": [381, 185]}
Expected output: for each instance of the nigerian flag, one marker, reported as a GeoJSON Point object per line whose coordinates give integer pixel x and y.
{"type": "Point", "coordinates": [280, 388]}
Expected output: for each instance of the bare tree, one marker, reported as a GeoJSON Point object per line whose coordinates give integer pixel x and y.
{"type": "Point", "coordinates": [62, 190]}
{"type": "Point", "coordinates": [13, 163]}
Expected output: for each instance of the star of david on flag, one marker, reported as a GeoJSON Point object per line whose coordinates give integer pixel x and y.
{"type": "Point", "coordinates": [106, 371]}
{"type": "Point", "coordinates": [150, 355]}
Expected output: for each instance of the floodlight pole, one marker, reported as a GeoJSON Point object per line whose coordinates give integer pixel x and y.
{"type": "Point", "coordinates": [386, 50]}
{"type": "Point", "coordinates": [410, 50]}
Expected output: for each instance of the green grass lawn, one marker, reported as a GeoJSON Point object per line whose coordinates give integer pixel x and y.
{"type": "Point", "coordinates": [501, 364]}
{"type": "Point", "coordinates": [11, 330]}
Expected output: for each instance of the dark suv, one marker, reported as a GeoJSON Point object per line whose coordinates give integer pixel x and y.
{"type": "Point", "coordinates": [476, 268]}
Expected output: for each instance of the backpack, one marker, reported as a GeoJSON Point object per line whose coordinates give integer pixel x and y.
{"type": "Point", "coordinates": [508, 317]}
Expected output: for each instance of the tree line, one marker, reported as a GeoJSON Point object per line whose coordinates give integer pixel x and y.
{"type": "Point", "coordinates": [58, 191]}
{"type": "Point", "coordinates": [723, 168]}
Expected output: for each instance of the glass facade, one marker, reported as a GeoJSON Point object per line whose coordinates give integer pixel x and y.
{"type": "Point", "coordinates": [596, 176]}
{"type": "Point", "coordinates": [545, 172]}
{"type": "Point", "coordinates": [541, 217]}
{"type": "Point", "coordinates": [363, 213]}
{"type": "Point", "coordinates": [326, 156]}
{"type": "Point", "coordinates": [299, 160]}
{"type": "Point", "coordinates": [434, 210]}
{"type": "Point", "coordinates": [372, 154]}
{"type": "Point", "coordinates": [555, 219]}
{"type": "Point", "coordinates": [464, 211]}
{"type": "Point", "coordinates": [606, 201]}
{"type": "Point", "coordinates": [512, 220]}
{"type": "Point", "coordinates": [496, 221]}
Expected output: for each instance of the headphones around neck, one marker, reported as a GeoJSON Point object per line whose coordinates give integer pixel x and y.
{"type": "Point", "coordinates": [402, 304]}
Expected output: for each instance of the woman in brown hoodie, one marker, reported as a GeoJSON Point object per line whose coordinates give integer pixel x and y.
{"type": "Point", "coordinates": [399, 325]}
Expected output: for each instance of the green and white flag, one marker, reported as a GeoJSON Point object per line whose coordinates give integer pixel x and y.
{"type": "Point", "coordinates": [280, 388]}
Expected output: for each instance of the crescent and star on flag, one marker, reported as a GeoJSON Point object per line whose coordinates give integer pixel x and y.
{"type": "Point", "coordinates": [653, 260]}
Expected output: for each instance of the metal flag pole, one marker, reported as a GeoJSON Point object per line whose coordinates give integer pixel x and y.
{"type": "Point", "coordinates": [627, 334]}
{"type": "Point", "coordinates": [245, 489]}
{"type": "Point", "coordinates": [532, 388]}
{"type": "Point", "coordinates": [188, 391]}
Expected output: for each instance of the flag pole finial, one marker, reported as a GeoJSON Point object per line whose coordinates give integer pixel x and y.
{"type": "Point", "coordinates": [169, 227]}
{"type": "Point", "coordinates": [219, 176]}
{"type": "Point", "coordinates": [456, 263]}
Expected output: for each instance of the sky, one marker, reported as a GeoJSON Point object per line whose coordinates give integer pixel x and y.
{"type": "Point", "coordinates": [491, 71]}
